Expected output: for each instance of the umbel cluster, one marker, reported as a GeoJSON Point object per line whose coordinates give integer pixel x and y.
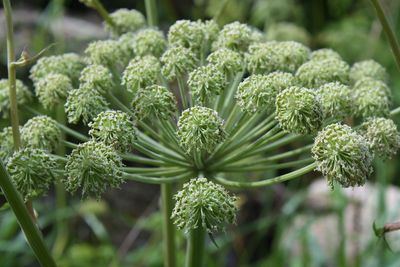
{"type": "Point", "coordinates": [200, 101]}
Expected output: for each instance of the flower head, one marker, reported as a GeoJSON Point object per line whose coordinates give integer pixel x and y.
{"type": "Point", "coordinates": [23, 96]}
{"type": "Point", "coordinates": [154, 100]}
{"type": "Point", "coordinates": [93, 167]}
{"type": "Point", "coordinates": [106, 53]}
{"type": "Point", "coordinates": [342, 156]}
{"type": "Point", "coordinates": [97, 77]}
{"type": "Point", "coordinates": [285, 31]}
{"type": "Point", "coordinates": [228, 61]}
{"type": "Point", "coordinates": [125, 20]}
{"type": "Point", "coordinates": [236, 36]}
{"type": "Point", "coordinates": [41, 132]}
{"type": "Point", "coordinates": [149, 42]}
{"type": "Point", "coordinates": [113, 128]}
{"type": "Point", "coordinates": [335, 100]}
{"type": "Point", "coordinates": [324, 53]}
{"type": "Point", "coordinates": [298, 110]}
{"type": "Point", "coordinates": [206, 81]}
{"type": "Point", "coordinates": [200, 129]}
{"type": "Point", "coordinates": [201, 203]}
{"type": "Point", "coordinates": [368, 68]}
{"type": "Point", "coordinates": [176, 61]}
{"type": "Point", "coordinates": [52, 89]}
{"type": "Point", "coordinates": [6, 144]}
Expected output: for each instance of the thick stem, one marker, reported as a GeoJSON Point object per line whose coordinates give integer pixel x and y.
{"type": "Point", "coordinates": [151, 12]}
{"type": "Point", "coordinates": [195, 247]}
{"type": "Point", "coordinates": [167, 225]}
{"type": "Point", "coordinates": [32, 234]}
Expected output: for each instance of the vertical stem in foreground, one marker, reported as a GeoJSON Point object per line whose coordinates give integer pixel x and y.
{"type": "Point", "coordinates": [168, 227]}
{"type": "Point", "coordinates": [195, 247]}
{"type": "Point", "coordinates": [151, 12]}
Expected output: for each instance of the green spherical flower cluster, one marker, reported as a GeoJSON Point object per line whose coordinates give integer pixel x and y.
{"type": "Point", "coordinates": [368, 68]}
{"type": "Point", "coordinates": [335, 99]}
{"type": "Point", "coordinates": [23, 96]}
{"type": "Point", "coordinates": [285, 31]}
{"type": "Point", "coordinates": [315, 73]}
{"type": "Point", "coordinates": [114, 128]}
{"type": "Point", "coordinates": [200, 129]}
{"type": "Point", "coordinates": [52, 89]}
{"type": "Point", "coordinates": [41, 132]}
{"type": "Point", "coordinates": [106, 53]}
{"type": "Point", "coordinates": [154, 100]}
{"type": "Point", "coordinates": [298, 110]}
{"type": "Point", "coordinates": [125, 20]}
{"type": "Point", "coordinates": [31, 172]}
{"type": "Point", "coordinates": [342, 156]}
{"type": "Point", "coordinates": [69, 64]}
{"type": "Point", "coordinates": [141, 72]}
{"type": "Point", "coordinates": [228, 61]}
{"type": "Point", "coordinates": [93, 167]}
{"type": "Point", "coordinates": [371, 98]}
{"type": "Point", "coordinates": [324, 53]}
{"type": "Point", "coordinates": [84, 103]}
{"type": "Point", "coordinates": [202, 203]}
{"type": "Point", "coordinates": [235, 36]}
{"type": "Point", "coordinates": [382, 136]}
{"type": "Point", "coordinates": [276, 56]}
{"type": "Point", "coordinates": [126, 42]}
{"type": "Point", "coordinates": [176, 61]}
{"type": "Point", "coordinates": [149, 42]}
{"type": "Point", "coordinates": [206, 81]}
{"type": "Point", "coordinates": [6, 144]}
{"type": "Point", "coordinates": [258, 92]}
{"type": "Point", "coordinates": [98, 77]}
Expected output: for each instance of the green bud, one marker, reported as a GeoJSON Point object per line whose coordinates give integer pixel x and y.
{"type": "Point", "coordinates": [206, 81]}
{"type": "Point", "coordinates": [335, 99]}
{"type": "Point", "coordinates": [154, 100]}
{"type": "Point", "coordinates": [31, 171]}
{"type": "Point", "coordinates": [141, 72]}
{"type": "Point", "coordinates": [52, 90]}
{"type": "Point", "coordinates": [228, 61]}
{"type": "Point", "coordinates": [106, 52]}
{"type": "Point", "coordinates": [97, 77]}
{"type": "Point", "coordinates": [368, 68]}
{"type": "Point", "coordinates": [125, 20]}
{"type": "Point", "coordinates": [200, 129]}
{"type": "Point", "coordinates": [126, 42]}
{"type": "Point", "coordinates": [114, 128]}
{"type": "Point", "coordinates": [235, 36]}
{"type": "Point", "coordinates": [176, 61]}
{"type": "Point", "coordinates": [324, 53]}
{"type": "Point", "coordinates": [6, 144]}
{"type": "Point", "coordinates": [382, 136]}
{"type": "Point", "coordinates": [202, 203]}
{"type": "Point", "coordinates": [93, 167]}
{"type": "Point", "coordinates": [342, 156]}
{"type": "Point", "coordinates": [23, 96]}
{"type": "Point", "coordinates": [41, 132]}
{"type": "Point", "coordinates": [285, 31]}
{"type": "Point", "coordinates": [149, 42]}
{"type": "Point", "coordinates": [298, 110]}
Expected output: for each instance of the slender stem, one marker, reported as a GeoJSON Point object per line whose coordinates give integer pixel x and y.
{"type": "Point", "coordinates": [155, 180]}
{"type": "Point", "coordinates": [98, 6]}
{"type": "Point", "coordinates": [181, 87]}
{"type": "Point", "coordinates": [195, 247]}
{"type": "Point", "coordinates": [32, 234]}
{"type": "Point", "coordinates": [151, 12]}
{"type": "Point", "coordinates": [227, 107]}
{"type": "Point", "coordinates": [167, 203]}
{"type": "Point", "coordinates": [395, 111]}
{"type": "Point", "coordinates": [388, 30]}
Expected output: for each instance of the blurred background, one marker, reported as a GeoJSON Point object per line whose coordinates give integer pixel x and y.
{"type": "Point", "coordinates": [299, 223]}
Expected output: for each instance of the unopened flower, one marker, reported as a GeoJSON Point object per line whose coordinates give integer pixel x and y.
{"type": "Point", "coordinates": [298, 110]}
{"type": "Point", "coordinates": [41, 132]}
{"type": "Point", "coordinates": [324, 53]}
{"type": "Point", "coordinates": [93, 167]}
{"type": "Point", "coordinates": [368, 68]}
{"type": "Point", "coordinates": [285, 31]}
{"type": "Point", "coordinates": [125, 20]}
{"type": "Point", "coordinates": [335, 99]}
{"type": "Point", "coordinates": [206, 81]}
{"type": "Point", "coordinates": [236, 36]}
{"type": "Point", "coordinates": [23, 96]}
{"type": "Point", "coordinates": [200, 129]}
{"type": "Point", "coordinates": [98, 77]}
{"type": "Point", "coordinates": [106, 52]}
{"type": "Point", "coordinates": [228, 61]}
{"type": "Point", "coordinates": [52, 89]}
{"type": "Point", "coordinates": [126, 42]}
{"type": "Point", "coordinates": [202, 203]}
{"type": "Point", "coordinates": [149, 42]}
{"type": "Point", "coordinates": [113, 128]}
{"type": "Point", "coordinates": [342, 156]}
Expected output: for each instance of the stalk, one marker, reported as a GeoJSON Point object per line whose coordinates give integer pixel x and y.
{"type": "Point", "coordinates": [196, 247]}
{"type": "Point", "coordinates": [32, 234]}
{"type": "Point", "coordinates": [151, 12]}
{"type": "Point", "coordinates": [167, 204]}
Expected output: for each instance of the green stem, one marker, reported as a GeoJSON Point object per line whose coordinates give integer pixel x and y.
{"type": "Point", "coordinates": [155, 180]}
{"type": "Point", "coordinates": [98, 6]}
{"type": "Point", "coordinates": [395, 111]}
{"type": "Point", "coordinates": [196, 247]}
{"type": "Point", "coordinates": [151, 12]}
{"type": "Point", "coordinates": [263, 168]}
{"type": "Point", "coordinates": [181, 87]}
{"type": "Point", "coordinates": [32, 234]}
{"type": "Point", "coordinates": [388, 30]}
{"type": "Point", "coordinates": [167, 225]}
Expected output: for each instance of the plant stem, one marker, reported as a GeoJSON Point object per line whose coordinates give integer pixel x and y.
{"type": "Point", "coordinates": [395, 111]}
{"type": "Point", "coordinates": [156, 180]}
{"type": "Point", "coordinates": [388, 30]}
{"type": "Point", "coordinates": [195, 247]}
{"type": "Point", "coordinates": [167, 225]}
{"type": "Point", "coordinates": [32, 234]}
{"type": "Point", "coordinates": [151, 12]}
{"type": "Point", "coordinates": [181, 87]}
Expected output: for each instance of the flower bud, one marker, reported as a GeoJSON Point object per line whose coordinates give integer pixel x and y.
{"type": "Point", "coordinates": [342, 156]}
{"type": "Point", "coordinates": [126, 42]}
{"type": "Point", "coordinates": [23, 96]}
{"type": "Point", "coordinates": [324, 53]}
{"type": "Point", "coordinates": [41, 132]}
{"type": "Point", "coordinates": [149, 42]}
{"type": "Point", "coordinates": [202, 203]}
{"type": "Point", "coordinates": [97, 77]}
{"type": "Point", "coordinates": [335, 100]}
{"type": "Point", "coordinates": [206, 81]}
{"type": "Point", "coordinates": [200, 129]}
{"type": "Point", "coordinates": [298, 110]}
{"type": "Point", "coordinates": [371, 98]}
{"type": "Point", "coordinates": [176, 61]}
{"type": "Point", "coordinates": [228, 61]}
{"type": "Point", "coordinates": [258, 92]}
{"type": "Point", "coordinates": [382, 136]}
{"type": "Point", "coordinates": [125, 20]}
{"type": "Point", "coordinates": [154, 100]}
{"type": "Point", "coordinates": [84, 103]}
{"type": "Point", "coordinates": [140, 73]}
{"type": "Point", "coordinates": [236, 36]}
{"type": "Point", "coordinates": [285, 31]}
{"type": "Point", "coordinates": [113, 128]}
{"type": "Point", "coordinates": [31, 172]}
{"type": "Point", "coordinates": [6, 144]}
{"type": "Point", "coordinates": [368, 68]}
{"type": "Point", "coordinates": [106, 52]}
{"type": "Point", "coordinates": [93, 167]}
{"type": "Point", "coordinates": [52, 90]}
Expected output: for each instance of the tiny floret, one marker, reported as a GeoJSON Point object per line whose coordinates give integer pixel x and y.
{"type": "Point", "coordinates": [298, 110]}
{"type": "Point", "coordinates": [52, 90]}
{"type": "Point", "coordinates": [176, 61]}
{"type": "Point", "coordinates": [342, 156]}
{"type": "Point", "coordinates": [202, 203]}
{"type": "Point", "coordinates": [41, 132]}
{"type": "Point", "coordinates": [236, 36]}
{"type": "Point", "coordinates": [335, 99]}
{"type": "Point", "coordinates": [368, 68]}
{"type": "Point", "coordinates": [106, 52]}
{"type": "Point", "coordinates": [125, 20]}
{"type": "Point", "coordinates": [93, 167]}
{"type": "Point", "coordinates": [114, 128]}
{"type": "Point", "coordinates": [149, 42]}
{"type": "Point", "coordinates": [200, 129]}
{"type": "Point", "coordinates": [23, 96]}
{"type": "Point", "coordinates": [228, 61]}
{"type": "Point", "coordinates": [98, 77]}
{"type": "Point", "coordinates": [206, 81]}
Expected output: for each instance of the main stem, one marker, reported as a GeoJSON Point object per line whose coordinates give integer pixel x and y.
{"type": "Point", "coordinates": [195, 247]}
{"type": "Point", "coordinates": [168, 227]}
{"type": "Point", "coordinates": [32, 234]}
{"type": "Point", "coordinates": [151, 12]}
